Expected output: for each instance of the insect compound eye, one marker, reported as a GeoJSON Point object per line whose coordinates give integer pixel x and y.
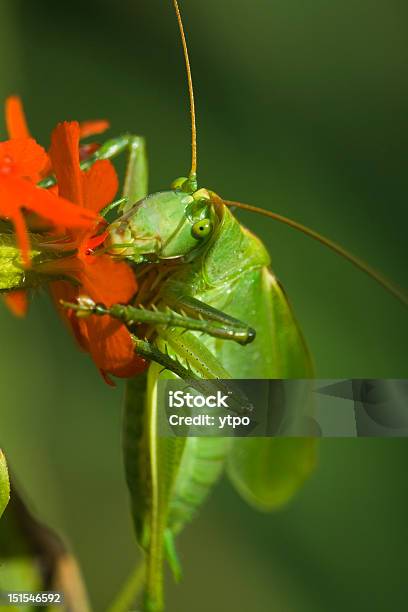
{"type": "Point", "coordinates": [201, 229]}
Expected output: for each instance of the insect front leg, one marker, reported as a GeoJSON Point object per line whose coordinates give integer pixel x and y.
{"type": "Point", "coordinates": [183, 355]}
{"type": "Point", "coordinates": [207, 320]}
{"type": "Point", "coordinates": [137, 173]}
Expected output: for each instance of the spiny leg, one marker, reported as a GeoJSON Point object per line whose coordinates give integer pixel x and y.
{"type": "Point", "coordinates": [129, 315]}
{"type": "Point", "coordinates": [211, 321]}
{"type": "Point", "coordinates": [149, 351]}
{"type": "Point", "coordinates": [205, 373]}
{"type": "Point", "coordinates": [174, 296]}
{"type": "Point", "coordinates": [238, 402]}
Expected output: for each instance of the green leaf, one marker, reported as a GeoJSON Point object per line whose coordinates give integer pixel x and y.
{"type": "Point", "coordinates": [4, 484]}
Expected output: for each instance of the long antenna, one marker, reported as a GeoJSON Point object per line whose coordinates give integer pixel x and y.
{"type": "Point", "coordinates": [356, 261]}
{"type": "Point", "coordinates": [193, 171]}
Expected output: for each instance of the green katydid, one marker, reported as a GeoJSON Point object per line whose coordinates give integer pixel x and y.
{"type": "Point", "coordinates": [205, 289]}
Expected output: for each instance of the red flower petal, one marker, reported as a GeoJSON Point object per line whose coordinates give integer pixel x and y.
{"type": "Point", "coordinates": [106, 339]}
{"type": "Point", "coordinates": [63, 290]}
{"type": "Point", "coordinates": [90, 128]}
{"type": "Point", "coordinates": [99, 185]}
{"type": "Point", "coordinates": [107, 281]}
{"type": "Point", "coordinates": [111, 346]}
{"type": "Point", "coordinates": [17, 302]}
{"type": "Point", "coordinates": [96, 241]}
{"type": "Point", "coordinates": [15, 118]}
{"type": "Point", "coordinates": [22, 157]}
{"type": "Point", "coordinates": [64, 153]}
{"type": "Point", "coordinates": [93, 189]}
{"type": "Point", "coordinates": [18, 193]}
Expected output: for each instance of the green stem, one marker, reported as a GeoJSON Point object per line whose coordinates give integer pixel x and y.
{"type": "Point", "coordinates": [125, 599]}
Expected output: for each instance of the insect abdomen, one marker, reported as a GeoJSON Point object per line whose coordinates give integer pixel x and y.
{"type": "Point", "coordinates": [201, 465]}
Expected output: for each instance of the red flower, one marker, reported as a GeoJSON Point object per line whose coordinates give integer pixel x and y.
{"type": "Point", "coordinates": [101, 278]}
{"type": "Point", "coordinates": [22, 157]}
{"type": "Point", "coordinates": [17, 128]}
{"type": "Point", "coordinates": [22, 164]}
{"type": "Point", "coordinates": [22, 161]}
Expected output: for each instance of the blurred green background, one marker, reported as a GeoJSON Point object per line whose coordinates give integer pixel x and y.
{"type": "Point", "coordinates": [303, 108]}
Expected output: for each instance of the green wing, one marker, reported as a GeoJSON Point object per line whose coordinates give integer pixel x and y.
{"type": "Point", "coordinates": [268, 471]}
